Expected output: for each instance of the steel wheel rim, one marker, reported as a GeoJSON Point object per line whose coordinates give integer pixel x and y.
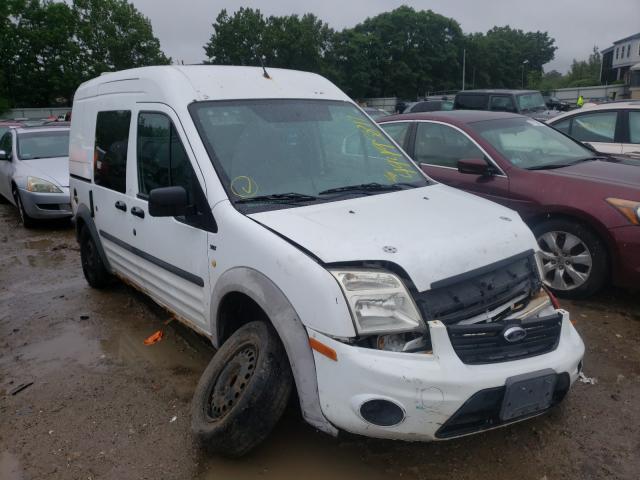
{"type": "Point", "coordinates": [566, 260]}
{"type": "Point", "coordinates": [231, 382]}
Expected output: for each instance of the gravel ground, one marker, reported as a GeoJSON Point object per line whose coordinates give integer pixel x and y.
{"type": "Point", "coordinates": [101, 405]}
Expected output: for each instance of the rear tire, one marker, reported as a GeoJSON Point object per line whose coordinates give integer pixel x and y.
{"type": "Point", "coordinates": [575, 260]}
{"type": "Point", "coordinates": [93, 268]}
{"type": "Point", "coordinates": [243, 392]}
{"type": "Point", "coordinates": [25, 219]}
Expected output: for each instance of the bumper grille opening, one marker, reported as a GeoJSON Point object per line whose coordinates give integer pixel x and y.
{"type": "Point", "coordinates": [482, 410]}
{"type": "Point", "coordinates": [48, 206]}
{"type": "Point", "coordinates": [486, 342]}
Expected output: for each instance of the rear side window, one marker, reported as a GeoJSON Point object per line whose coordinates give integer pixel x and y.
{"type": "Point", "coordinates": [162, 159]}
{"type": "Point", "coordinates": [397, 131]}
{"type": "Point", "coordinates": [110, 154]}
{"type": "Point", "coordinates": [594, 127]}
{"type": "Point", "coordinates": [563, 125]}
{"type": "Point", "coordinates": [471, 102]}
{"type": "Point", "coordinates": [634, 127]}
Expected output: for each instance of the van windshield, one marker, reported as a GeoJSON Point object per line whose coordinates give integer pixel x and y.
{"type": "Point", "coordinates": [288, 152]}
{"type": "Point", "coordinates": [531, 102]}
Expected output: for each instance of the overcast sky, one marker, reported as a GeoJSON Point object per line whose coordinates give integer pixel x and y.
{"type": "Point", "coordinates": [184, 26]}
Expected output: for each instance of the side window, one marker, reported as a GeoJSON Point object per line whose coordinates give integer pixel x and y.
{"type": "Point", "coordinates": [634, 127]}
{"type": "Point", "coordinates": [502, 104]}
{"type": "Point", "coordinates": [441, 145]}
{"type": "Point", "coordinates": [564, 125]}
{"type": "Point", "coordinates": [471, 102]}
{"type": "Point", "coordinates": [595, 127]}
{"type": "Point", "coordinates": [162, 159]}
{"type": "Point", "coordinates": [397, 131]}
{"type": "Point", "coordinates": [6, 143]}
{"type": "Point", "coordinates": [110, 154]}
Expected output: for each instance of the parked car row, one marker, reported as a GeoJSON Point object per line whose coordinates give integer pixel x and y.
{"type": "Point", "coordinates": [272, 215]}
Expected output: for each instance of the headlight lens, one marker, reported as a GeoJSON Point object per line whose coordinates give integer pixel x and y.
{"type": "Point", "coordinates": [628, 208]}
{"type": "Point", "coordinates": [38, 185]}
{"type": "Point", "coordinates": [379, 302]}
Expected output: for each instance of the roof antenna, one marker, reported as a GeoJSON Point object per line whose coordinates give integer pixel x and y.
{"type": "Point", "coordinates": [264, 70]}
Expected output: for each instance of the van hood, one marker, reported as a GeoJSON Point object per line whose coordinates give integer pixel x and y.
{"type": "Point", "coordinates": [56, 169]}
{"type": "Point", "coordinates": [433, 232]}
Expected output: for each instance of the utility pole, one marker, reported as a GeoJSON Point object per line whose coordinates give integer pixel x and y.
{"type": "Point", "coordinates": [464, 65]}
{"type": "Point", "coordinates": [523, 64]}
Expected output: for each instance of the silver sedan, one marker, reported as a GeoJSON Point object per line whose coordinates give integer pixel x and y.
{"type": "Point", "coordinates": [34, 172]}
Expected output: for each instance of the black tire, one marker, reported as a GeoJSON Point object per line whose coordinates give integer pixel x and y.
{"type": "Point", "coordinates": [243, 392]}
{"type": "Point", "coordinates": [25, 219]}
{"type": "Point", "coordinates": [595, 274]}
{"type": "Point", "coordinates": [93, 268]}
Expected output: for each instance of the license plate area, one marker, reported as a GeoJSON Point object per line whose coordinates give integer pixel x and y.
{"type": "Point", "coordinates": [528, 394]}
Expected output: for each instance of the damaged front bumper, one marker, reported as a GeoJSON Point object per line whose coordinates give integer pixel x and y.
{"type": "Point", "coordinates": [411, 396]}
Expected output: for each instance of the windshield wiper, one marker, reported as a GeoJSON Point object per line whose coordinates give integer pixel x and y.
{"type": "Point", "coordinates": [290, 197]}
{"type": "Point", "coordinates": [367, 187]}
{"type": "Point", "coordinates": [551, 166]}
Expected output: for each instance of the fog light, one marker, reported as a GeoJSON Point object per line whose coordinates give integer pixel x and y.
{"type": "Point", "coordinates": [381, 412]}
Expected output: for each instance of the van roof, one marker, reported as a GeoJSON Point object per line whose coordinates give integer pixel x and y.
{"type": "Point", "coordinates": [179, 84]}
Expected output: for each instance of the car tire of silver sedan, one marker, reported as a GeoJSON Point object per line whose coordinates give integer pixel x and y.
{"type": "Point", "coordinates": [243, 392]}
{"type": "Point", "coordinates": [575, 262]}
{"type": "Point", "coordinates": [25, 219]}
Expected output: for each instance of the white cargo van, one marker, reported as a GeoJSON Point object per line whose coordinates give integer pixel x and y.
{"type": "Point", "coordinates": [270, 214]}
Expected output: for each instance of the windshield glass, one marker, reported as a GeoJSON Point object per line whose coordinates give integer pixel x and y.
{"type": "Point", "coordinates": [303, 147]}
{"type": "Point", "coordinates": [47, 144]}
{"type": "Point", "coordinates": [530, 144]}
{"type": "Point", "coordinates": [530, 102]}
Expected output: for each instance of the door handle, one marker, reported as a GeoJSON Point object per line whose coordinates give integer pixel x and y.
{"type": "Point", "coordinates": [138, 212]}
{"type": "Point", "coordinates": [120, 205]}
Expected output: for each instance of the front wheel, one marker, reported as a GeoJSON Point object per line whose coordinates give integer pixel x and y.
{"type": "Point", "coordinates": [243, 392]}
{"type": "Point", "coordinates": [27, 221]}
{"type": "Point", "coordinates": [574, 260]}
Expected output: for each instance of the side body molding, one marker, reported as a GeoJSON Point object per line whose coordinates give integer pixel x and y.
{"type": "Point", "coordinates": [290, 329]}
{"type": "Point", "coordinates": [83, 218]}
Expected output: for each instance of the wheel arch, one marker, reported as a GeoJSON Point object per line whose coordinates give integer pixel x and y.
{"type": "Point", "coordinates": [244, 282]}
{"type": "Point", "coordinates": [83, 220]}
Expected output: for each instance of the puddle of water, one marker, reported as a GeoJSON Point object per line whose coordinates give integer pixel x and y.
{"type": "Point", "coordinates": [10, 467]}
{"type": "Point", "coordinates": [38, 244]}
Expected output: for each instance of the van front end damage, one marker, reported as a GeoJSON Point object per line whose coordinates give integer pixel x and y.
{"type": "Point", "coordinates": [433, 396]}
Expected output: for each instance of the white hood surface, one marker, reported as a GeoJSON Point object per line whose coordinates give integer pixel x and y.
{"type": "Point", "coordinates": [433, 232]}
{"type": "Point", "coordinates": [56, 169]}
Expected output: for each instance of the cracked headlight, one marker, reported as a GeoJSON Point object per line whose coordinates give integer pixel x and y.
{"type": "Point", "coordinates": [379, 302]}
{"type": "Point", "coordinates": [38, 185]}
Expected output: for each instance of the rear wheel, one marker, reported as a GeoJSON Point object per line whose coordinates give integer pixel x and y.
{"type": "Point", "coordinates": [574, 259]}
{"type": "Point", "coordinates": [26, 220]}
{"type": "Point", "coordinates": [93, 268]}
{"type": "Point", "coordinates": [243, 392]}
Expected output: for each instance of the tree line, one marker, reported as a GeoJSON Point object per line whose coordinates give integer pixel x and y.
{"type": "Point", "coordinates": [47, 48]}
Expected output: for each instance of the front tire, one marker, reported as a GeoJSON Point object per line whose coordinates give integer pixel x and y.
{"type": "Point", "coordinates": [25, 219]}
{"type": "Point", "coordinates": [93, 268]}
{"type": "Point", "coordinates": [243, 392]}
{"type": "Point", "coordinates": [574, 259]}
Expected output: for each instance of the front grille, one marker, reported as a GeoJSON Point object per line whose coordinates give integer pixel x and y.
{"type": "Point", "coordinates": [479, 291]}
{"type": "Point", "coordinates": [485, 342]}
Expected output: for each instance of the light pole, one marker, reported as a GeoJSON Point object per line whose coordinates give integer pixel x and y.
{"type": "Point", "coordinates": [523, 64]}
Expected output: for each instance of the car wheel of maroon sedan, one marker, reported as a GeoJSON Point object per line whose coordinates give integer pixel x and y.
{"type": "Point", "coordinates": [574, 260]}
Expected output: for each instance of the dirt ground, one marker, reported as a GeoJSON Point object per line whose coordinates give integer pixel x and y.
{"type": "Point", "coordinates": [103, 405]}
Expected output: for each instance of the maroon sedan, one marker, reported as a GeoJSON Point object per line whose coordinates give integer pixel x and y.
{"type": "Point", "coordinates": [583, 208]}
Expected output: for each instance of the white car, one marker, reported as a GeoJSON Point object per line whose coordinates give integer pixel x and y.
{"type": "Point", "coordinates": [397, 307]}
{"type": "Point", "coordinates": [612, 128]}
{"type": "Point", "coordinates": [34, 172]}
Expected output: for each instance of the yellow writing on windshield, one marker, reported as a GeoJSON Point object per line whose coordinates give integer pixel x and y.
{"type": "Point", "coordinates": [400, 167]}
{"type": "Point", "coordinates": [244, 187]}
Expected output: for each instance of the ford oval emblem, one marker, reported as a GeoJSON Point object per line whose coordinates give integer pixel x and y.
{"type": "Point", "coordinates": [514, 334]}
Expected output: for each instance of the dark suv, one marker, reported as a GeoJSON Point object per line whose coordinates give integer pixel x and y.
{"type": "Point", "coordinates": [524, 102]}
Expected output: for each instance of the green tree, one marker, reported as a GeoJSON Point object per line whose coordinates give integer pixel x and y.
{"type": "Point", "coordinates": [584, 72]}
{"type": "Point", "coordinates": [114, 35]}
{"type": "Point", "coordinates": [237, 39]}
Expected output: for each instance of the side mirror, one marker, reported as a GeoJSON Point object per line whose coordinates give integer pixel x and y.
{"type": "Point", "coordinates": [475, 166]}
{"type": "Point", "coordinates": [168, 202]}
{"type": "Point", "coordinates": [4, 155]}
